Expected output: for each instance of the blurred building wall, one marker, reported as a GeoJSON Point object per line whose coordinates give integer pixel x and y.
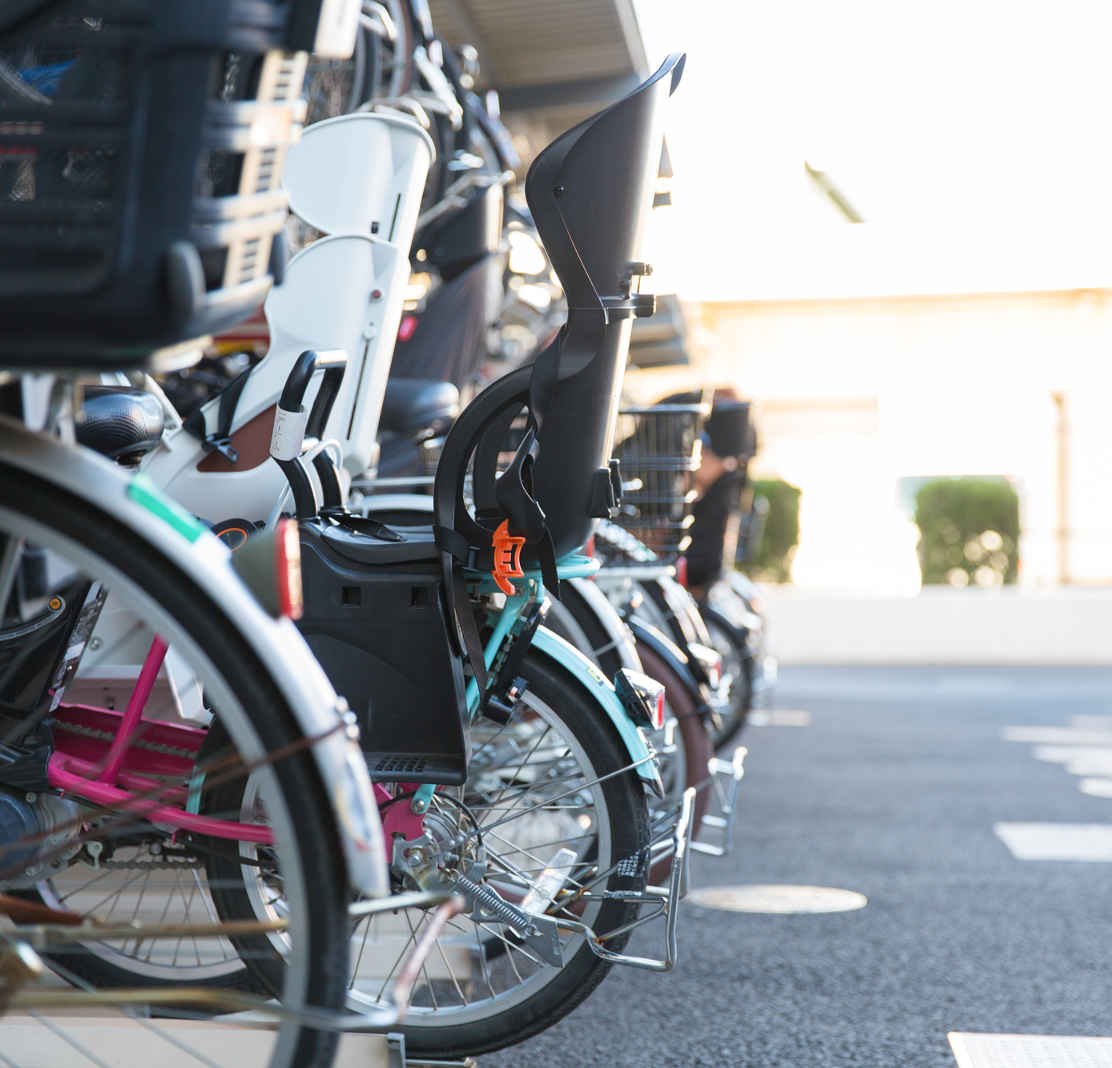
{"type": "Point", "coordinates": [857, 395]}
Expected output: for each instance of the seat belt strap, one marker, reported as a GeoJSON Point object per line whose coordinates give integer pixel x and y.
{"type": "Point", "coordinates": [220, 441]}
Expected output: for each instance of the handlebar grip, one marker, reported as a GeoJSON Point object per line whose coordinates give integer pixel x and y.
{"type": "Point", "coordinates": [297, 382]}
{"type": "Point", "coordinates": [292, 422]}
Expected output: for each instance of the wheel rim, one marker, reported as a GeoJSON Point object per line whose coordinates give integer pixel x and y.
{"type": "Point", "coordinates": [473, 971]}
{"type": "Point", "coordinates": [144, 606]}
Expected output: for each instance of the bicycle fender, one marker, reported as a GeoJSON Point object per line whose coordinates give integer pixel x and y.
{"type": "Point", "coordinates": [204, 560]}
{"type": "Point", "coordinates": [610, 620]}
{"type": "Point", "coordinates": [739, 634]}
{"type": "Point", "coordinates": [671, 654]}
{"type": "Point", "coordinates": [595, 686]}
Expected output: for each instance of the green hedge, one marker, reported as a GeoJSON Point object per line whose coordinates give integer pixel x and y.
{"type": "Point", "coordinates": [771, 558]}
{"type": "Point", "coordinates": [968, 531]}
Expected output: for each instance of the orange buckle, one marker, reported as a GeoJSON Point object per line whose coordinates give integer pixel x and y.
{"type": "Point", "coordinates": [507, 558]}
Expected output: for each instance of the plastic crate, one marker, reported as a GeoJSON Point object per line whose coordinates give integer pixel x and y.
{"type": "Point", "coordinates": [141, 152]}
{"type": "Point", "coordinates": [660, 451]}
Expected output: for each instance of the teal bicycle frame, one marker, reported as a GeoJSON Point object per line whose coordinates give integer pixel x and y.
{"type": "Point", "coordinates": [596, 687]}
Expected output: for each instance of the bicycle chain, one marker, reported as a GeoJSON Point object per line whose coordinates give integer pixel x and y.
{"type": "Point", "coordinates": [149, 865]}
{"type": "Point", "coordinates": [154, 747]}
{"type": "Point", "coordinates": [139, 743]}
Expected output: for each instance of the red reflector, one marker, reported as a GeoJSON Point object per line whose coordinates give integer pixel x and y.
{"type": "Point", "coordinates": [714, 672]}
{"type": "Point", "coordinates": [658, 711]}
{"type": "Point", "coordinates": [288, 565]}
{"type": "Point", "coordinates": [406, 327]}
{"type": "Point", "coordinates": [681, 571]}
{"type": "Point", "coordinates": [589, 548]}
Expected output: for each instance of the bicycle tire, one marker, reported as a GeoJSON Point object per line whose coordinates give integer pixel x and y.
{"type": "Point", "coordinates": [693, 738]}
{"type": "Point", "coordinates": [735, 659]}
{"type": "Point", "coordinates": [628, 821]}
{"type": "Point", "coordinates": [56, 519]}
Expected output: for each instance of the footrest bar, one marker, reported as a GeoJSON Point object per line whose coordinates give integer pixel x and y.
{"type": "Point", "coordinates": [726, 776]}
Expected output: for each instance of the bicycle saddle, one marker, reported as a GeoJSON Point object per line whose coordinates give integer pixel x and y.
{"type": "Point", "coordinates": [411, 405]}
{"type": "Point", "coordinates": [121, 423]}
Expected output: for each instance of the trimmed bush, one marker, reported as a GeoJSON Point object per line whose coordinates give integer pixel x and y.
{"type": "Point", "coordinates": [968, 532]}
{"type": "Point", "coordinates": [770, 558]}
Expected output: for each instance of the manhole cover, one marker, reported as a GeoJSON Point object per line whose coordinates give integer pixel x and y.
{"type": "Point", "coordinates": [778, 899]}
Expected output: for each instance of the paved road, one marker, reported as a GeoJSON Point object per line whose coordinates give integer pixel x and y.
{"type": "Point", "coordinates": [893, 791]}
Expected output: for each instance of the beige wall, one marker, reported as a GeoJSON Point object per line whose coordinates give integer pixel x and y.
{"type": "Point", "coordinates": [854, 394]}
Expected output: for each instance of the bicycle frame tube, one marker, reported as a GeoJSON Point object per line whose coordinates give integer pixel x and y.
{"type": "Point", "coordinates": [595, 685]}
{"type": "Point", "coordinates": [81, 762]}
{"type": "Point", "coordinates": [134, 712]}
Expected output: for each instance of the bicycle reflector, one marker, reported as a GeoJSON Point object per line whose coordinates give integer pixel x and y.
{"type": "Point", "coordinates": [287, 562]}
{"type": "Point", "coordinates": [642, 697]}
{"type": "Point", "coordinates": [710, 660]}
{"type": "Point", "coordinates": [269, 563]}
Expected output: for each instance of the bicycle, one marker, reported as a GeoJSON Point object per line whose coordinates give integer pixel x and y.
{"type": "Point", "coordinates": [92, 787]}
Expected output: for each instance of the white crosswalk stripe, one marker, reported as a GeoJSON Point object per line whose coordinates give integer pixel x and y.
{"type": "Point", "coordinates": [1030, 1051]}
{"type": "Point", "coordinates": [1057, 841]}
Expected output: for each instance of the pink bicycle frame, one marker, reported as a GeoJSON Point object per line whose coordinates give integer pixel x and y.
{"type": "Point", "coordinates": [121, 774]}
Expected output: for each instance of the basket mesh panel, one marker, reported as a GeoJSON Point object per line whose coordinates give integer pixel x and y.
{"type": "Point", "coordinates": [64, 111]}
{"type": "Point", "coordinates": [659, 450]}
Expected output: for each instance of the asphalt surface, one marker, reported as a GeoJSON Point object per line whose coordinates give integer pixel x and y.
{"type": "Point", "coordinates": [892, 791]}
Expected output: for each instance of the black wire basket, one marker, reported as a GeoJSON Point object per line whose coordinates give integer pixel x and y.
{"type": "Point", "coordinates": [660, 451]}
{"type": "Point", "coordinates": [141, 151]}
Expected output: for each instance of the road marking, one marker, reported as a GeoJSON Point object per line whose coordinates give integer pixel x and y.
{"type": "Point", "coordinates": [1077, 759]}
{"type": "Point", "coordinates": [779, 717]}
{"type": "Point", "coordinates": [1096, 723]}
{"type": "Point", "coordinates": [1096, 787]}
{"type": "Point", "coordinates": [1057, 841]}
{"type": "Point", "coordinates": [1058, 736]}
{"type": "Point", "coordinates": [777, 899]}
{"type": "Point", "coordinates": [1029, 1051]}
{"type": "Point", "coordinates": [1063, 754]}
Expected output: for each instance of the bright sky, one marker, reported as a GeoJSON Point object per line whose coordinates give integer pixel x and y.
{"type": "Point", "coordinates": [974, 137]}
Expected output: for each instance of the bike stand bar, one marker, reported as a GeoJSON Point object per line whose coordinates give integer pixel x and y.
{"type": "Point", "coordinates": [396, 1042]}
{"type": "Point", "coordinates": [725, 778]}
{"type": "Point", "coordinates": [666, 898]}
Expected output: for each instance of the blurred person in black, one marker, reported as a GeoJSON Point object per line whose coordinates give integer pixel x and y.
{"type": "Point", "coordinates": [728, 442]}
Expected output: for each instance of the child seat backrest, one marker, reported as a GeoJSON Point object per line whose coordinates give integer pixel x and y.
{"type": "Point", "coordinates": [325, 304]}
{"type": "Point", "coordinates": [590, 193]}
{"type": "Point", "coordinates": [360, 174]}
{"type": "Point", "coordinates": [358, 178]}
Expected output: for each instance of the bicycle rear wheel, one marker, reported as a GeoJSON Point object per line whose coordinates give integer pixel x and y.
{"type": "Point", "coordinates": [687, 766]}
{"type": "Point", "coordinates": [84, 551]}
{"type": "Point", "coordinates": [739, 666]}
{"type": "Point", "coordinates": [550, 787]}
